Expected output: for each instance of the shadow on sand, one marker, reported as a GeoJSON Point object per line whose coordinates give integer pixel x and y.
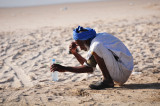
{"type": "Point", "coordinates": [142, 86]}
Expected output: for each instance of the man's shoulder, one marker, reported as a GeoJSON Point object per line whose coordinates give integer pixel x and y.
{"type": "Point", "coordinates": [101, 37]}
{"type": "Point", "coordinates": [103, 33]}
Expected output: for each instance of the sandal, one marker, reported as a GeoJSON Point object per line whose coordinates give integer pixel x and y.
{"type": "Point", "coordinates": [101, 85]}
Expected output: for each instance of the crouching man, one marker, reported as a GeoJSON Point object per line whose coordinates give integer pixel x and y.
{"type": "Point", "coordinates": [112, 56]}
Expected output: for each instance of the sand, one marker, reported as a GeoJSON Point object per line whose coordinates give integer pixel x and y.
{"type": "Point", "coordinates": [32, 36]}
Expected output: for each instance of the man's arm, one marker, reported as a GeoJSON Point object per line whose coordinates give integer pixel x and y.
{"type": "Point", "coordinates": [78, 69]}
{"type": "Point", "coordinates": [73, 48]}
{"type": "Point", "coordinates": [79, 58]}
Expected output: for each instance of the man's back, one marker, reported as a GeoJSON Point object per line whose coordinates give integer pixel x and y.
{"type": "Point", "coordinates": [115, 45]}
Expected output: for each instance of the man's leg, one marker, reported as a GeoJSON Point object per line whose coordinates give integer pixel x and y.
{"type": "Point", "coordinates": [107, 80]}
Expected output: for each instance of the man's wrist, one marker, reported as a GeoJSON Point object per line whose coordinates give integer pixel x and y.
{"type": "Point", "coordinates": [74, 53]}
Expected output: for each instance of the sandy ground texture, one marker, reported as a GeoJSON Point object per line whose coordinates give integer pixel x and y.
{"type": "Point", "coordinates": [26, 54]}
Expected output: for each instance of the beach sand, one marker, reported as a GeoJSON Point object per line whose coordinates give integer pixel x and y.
{"type": "Point", "coordinates": [31, 37]}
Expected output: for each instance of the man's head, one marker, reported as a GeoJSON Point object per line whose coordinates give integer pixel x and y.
{"type": "Point", "coordinates": [81, 33]}
{"type": "Point", "coordinates": [83, 37]}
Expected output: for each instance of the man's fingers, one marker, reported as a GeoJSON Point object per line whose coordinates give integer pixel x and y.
{"type": "Point", "coordinates": [73, 45]}
{"type": "Point", "coordinates": [53, 67]}
{"type": "Point", "coordinates": [57, 67]}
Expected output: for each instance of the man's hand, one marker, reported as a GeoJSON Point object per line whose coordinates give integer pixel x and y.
{"type": "Point", "coordinates": [57, 67]}
{"type": "Point", "coordinates": [73, 47]}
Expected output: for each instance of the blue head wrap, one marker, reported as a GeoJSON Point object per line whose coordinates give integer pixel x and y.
{"type": "Point", "coordinates": [87, 33]}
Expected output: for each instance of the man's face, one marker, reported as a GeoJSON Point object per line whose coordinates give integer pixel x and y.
{"type": "Point", "coordinates": [81, 44]}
